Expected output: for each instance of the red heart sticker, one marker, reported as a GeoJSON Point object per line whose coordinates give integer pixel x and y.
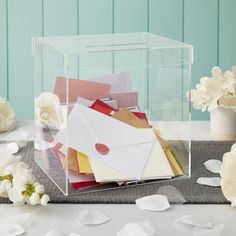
{"type": "Point", "coordinates": [101, 148]}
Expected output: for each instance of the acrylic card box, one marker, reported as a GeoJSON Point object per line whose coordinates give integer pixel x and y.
{"type": "Point", "coordinates": [111, 110]}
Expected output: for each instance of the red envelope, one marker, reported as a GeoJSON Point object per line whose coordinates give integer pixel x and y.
{"type": "Point", "coordinates": [141, 115]}
{"type": "Point", "coordinates": [80, 88]}
{"type": "Point", "coordinates": [78, 180]}
{"type": "Point", "coordinates": [83, 184]}
{"type": "Point", "coordinates": [102, 107]}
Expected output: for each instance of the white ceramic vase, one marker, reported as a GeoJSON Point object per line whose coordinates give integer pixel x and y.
{"type": "Point", "coordinates": [223, 124]}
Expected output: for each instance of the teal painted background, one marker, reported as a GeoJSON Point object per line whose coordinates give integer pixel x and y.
{"type": "Point", "coordinates": [208, 25]}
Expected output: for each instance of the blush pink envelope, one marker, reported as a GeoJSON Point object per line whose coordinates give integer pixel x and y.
{"type": "Point", "coordinates": [80, 88]}
{"type": "Point", "coordinates": [129, 99]}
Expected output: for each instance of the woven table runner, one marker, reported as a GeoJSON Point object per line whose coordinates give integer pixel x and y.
{"type": "Point", "coordinates": [192, 192]}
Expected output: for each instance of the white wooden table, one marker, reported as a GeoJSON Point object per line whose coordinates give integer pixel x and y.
{"type": "Point", "coordinates": [63, 216]}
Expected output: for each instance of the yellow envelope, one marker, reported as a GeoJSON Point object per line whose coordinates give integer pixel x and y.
{"type": "Point", "coordinates": [83, 162]}
{"type": "Point", "coordinates": [173, 163]}
{"type": "Point", "coordinates": [129, 118]}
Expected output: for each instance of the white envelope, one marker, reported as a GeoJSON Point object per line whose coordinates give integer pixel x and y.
{"type": "Point", "coordinates": [129, 147]}
{"type": "Point", "coordinates": [120, 82]}
{"type": "Point", "coordinates": [158, 167]}
{"type": "Point", "coordinates": [85, 102]}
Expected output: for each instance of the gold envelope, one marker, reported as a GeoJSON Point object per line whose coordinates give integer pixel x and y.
{"type": "Point", "coordinates": [72, 160]}
{"type": "Point", "coordinates": [173, 163]}
{"type": "Point", "coordinates": [83, 162]}
{"type": "Point", "coordinates": [128, 117]}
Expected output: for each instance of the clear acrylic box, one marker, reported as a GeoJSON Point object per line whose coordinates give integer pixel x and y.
{"type": "Point", "coordinates": [103, 102]}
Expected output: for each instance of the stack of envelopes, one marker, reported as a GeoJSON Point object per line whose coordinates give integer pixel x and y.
{"type": "Point", "coordinates": [108, 138]}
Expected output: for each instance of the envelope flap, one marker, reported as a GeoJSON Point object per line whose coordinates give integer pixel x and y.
{"type": "Point", "coordinates": [109, 131]}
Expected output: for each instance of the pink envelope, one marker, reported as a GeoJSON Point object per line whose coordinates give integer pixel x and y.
{"type": "Point", "coordinates": [129, 99]}
{"type": "Point", "coordinates": [80, 88]}
{"type": "Point", "coordinates": [78, 178]}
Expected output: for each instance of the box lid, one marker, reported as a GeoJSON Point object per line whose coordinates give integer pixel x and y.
{"type": "Point", "coordinates": [83, 44]}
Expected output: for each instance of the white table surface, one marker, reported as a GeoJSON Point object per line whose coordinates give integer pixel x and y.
{"type": "Point", "coordinates": [63, 216]}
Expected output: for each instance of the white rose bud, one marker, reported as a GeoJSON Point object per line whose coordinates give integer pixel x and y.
{"type": "Point", "coordinates": [34, 199]}
{"type": "Point", "coordinates": [44, 200]}
{"type": "Point", "coordinates": [39, 189]}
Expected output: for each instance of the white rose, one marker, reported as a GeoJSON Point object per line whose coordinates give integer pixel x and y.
{"type": "Point", "coordinates": [207, 95]}
{"type": "Point", "coordinates": [7, 162]}
{"type": "Point", "coordinates": [230, 84]}
{"type": "Point", "coordinates": [44, 200]}
{"type": "Point", "coordinates": [34, 199]}
{"type": "Point", "coordinates": [5, 185]}
{"type": "Point", "coordinates": [22, 176]}
{"type": "Point", "coordinates": [219, 89]}
{"type": "Point", "coordinates": [228, 102]}
{"type": "Point", "coordinates": [228, 175]}
{"type": "Point", "coordinates": [48, 109]}
{"type": "Point", "coordinates": [7, 116]}
{"type": "Point", "coordinates": [15, 195]}
{"type": "Point", "coordinates": [17, 181]}
{"type": "Point", "coordinates": [39, 188]}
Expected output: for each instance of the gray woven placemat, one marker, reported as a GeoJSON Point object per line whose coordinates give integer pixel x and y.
{"type": "Point", "coordinates": [192, 192]}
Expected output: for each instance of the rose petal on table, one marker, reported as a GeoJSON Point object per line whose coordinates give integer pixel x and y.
{"type": "Point", "coordinates": [208, 232]}
{"type": "Point", "coordinates": [209, 181]}
{"type": "Point", "coordinates": [56, 232]}
{"type": "Point", "coordinates": [213, 165]}
{"type": "Point", "coordinates": [23, 220]}
{"type": "Point", "coordinates": [12, 147]}
{"type": "Point", "coordinates": [142, 228]}
{"type": "Point", "coordinates": [17, 135]}
{"type": "Point", "coordinates": [11, 230]}
{"type": "Point", "coordinates": [153, 203]}
{"type": "Point", "coordinates": [42, 145]}
{"type": "Point", "coordinates": [195, 221]}
{"type": "Point", "coordinates": [172, 193]}
{"type": "Point", "coordinates": [89, 217]}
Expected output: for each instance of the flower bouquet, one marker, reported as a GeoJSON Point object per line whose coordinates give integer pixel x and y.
{"type": "Point", "coordinates": [217, 95]}
{"type": "Point", "coordinates": [17, 181]}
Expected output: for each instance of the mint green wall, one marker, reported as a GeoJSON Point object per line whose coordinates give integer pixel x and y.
{"type": "Point", "coordinates": [208, 25]}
